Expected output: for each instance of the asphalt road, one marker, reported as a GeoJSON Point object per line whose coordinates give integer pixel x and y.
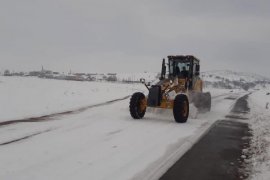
{"type": "Point", "coordinates": [216, 156]}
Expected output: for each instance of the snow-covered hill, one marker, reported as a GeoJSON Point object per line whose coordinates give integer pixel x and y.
{"type": "Point", "coordinates": [231, 80]}
{"type": "Point", "coordinates": [233, 76]}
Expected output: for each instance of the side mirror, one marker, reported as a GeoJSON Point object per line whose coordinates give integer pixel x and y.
{"type": "Point", "coordinates": [142, 80]}
{"type": "Point", "coordinates": [197, 73]}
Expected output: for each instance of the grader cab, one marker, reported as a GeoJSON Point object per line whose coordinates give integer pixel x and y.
{"type": "Point", "coordinates": [178, 86]}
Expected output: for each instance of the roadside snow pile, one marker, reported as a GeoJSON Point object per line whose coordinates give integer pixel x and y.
{"type": "Point", "coordinates": [260, 143]}
{"type": "Point", "coordinates": [23, 97]}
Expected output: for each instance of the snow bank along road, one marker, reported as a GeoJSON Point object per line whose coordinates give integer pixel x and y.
{"type": "Point", "coordinates": [102, 143]}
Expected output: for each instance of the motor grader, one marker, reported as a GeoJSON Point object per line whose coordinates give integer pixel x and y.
{"type": "Point", "coordinates": [177, 87]}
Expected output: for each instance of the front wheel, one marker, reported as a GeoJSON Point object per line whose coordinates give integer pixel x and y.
{"type": "Point", "coordinates": [181, 108]}
{"type": "Point", "coordinates": [137, 105]}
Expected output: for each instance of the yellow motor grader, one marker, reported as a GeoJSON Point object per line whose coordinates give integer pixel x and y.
{"type": "Point", "coordinates": [176, 89]}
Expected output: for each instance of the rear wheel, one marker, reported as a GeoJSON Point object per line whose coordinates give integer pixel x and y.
{"type": "Point", "coordinates": [181, 108]}
{"type": "Point", "coordinates": [137, 105]}
{"type": "Point", "coordinates": [207, 97]}
{"type": "Point", "coordinates": [203, 102]}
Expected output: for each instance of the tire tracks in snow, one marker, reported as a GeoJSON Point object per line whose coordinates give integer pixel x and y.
{"type": "Point", "coordinates": [51, 116]}
{"type": "Point", "coordinates": [24, 137]}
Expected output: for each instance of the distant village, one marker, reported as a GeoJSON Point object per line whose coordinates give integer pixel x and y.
{"type": "Point", "coordinates": [48, 74]}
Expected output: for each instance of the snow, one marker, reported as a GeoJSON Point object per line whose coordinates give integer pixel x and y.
{"type": "Point", "coordinates": [97, 144]}
{"type": "Point", "coordinates": [46, 96]}
{"type": "Point", "coordinates": [23, 97]}
{"type": "Point", "coordinates": [260, 142]}
{"type": "Point", "coordinates": [148, 76]}
{"type": "Point", "coordinates": [102, 142]}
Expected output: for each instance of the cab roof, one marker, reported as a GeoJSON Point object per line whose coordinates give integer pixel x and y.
{"type": "Point", "coordinates": [183, 57]}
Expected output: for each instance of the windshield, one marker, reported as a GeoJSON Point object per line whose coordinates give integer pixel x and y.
{"type": "Point", "coordinates": [176, 68]}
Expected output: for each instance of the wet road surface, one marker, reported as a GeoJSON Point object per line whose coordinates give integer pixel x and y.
{"type": "Point", "coordinates": [216, 156]}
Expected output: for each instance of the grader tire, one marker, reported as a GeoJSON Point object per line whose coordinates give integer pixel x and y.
{"type": "Point", "coordinates": [135, 105]}
{"type": "Point", "coordinates": [181, 108]}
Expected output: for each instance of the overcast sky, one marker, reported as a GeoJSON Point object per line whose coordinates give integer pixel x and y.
{"type": "Point", "coordinates": [133, 36]}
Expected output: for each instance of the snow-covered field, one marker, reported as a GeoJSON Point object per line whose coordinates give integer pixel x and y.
{"type": "Point", "coordinates": [99, 143]}
{"type": "Point", "coordinates": [104, 142]}
{"type": "Point", "coordinates": [24, 97]}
